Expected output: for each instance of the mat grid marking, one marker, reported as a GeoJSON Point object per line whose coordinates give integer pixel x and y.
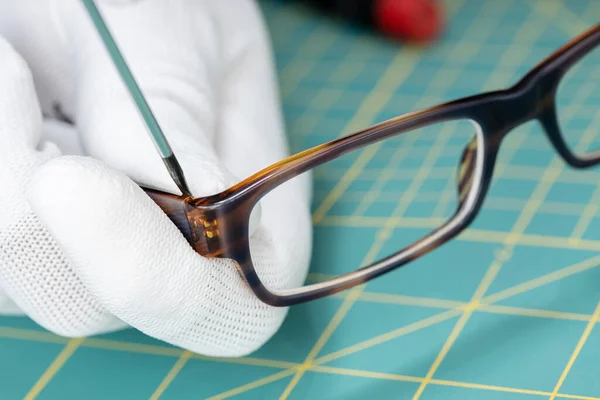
{"type": "Point", "coordinates": [444, 316]}
{"type": "Point", "coordinates": [374, 102]}
{"type": "Point", "coordinates": [177, 367]}
{"type": "Point", "coordinates": [582, 340]}
{"type": "Point", "coordinates": [56, 365]}
{"type": "Point", "coordinates": [391, 79]}
{"type": "Point", "coordinates": [590, 211]}
{"type": "Point", "coordinates": [32, 335]}
{"type": "Point", "coordinates": [592, 208]}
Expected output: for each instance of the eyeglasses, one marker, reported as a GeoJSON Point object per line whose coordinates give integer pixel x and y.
{"type": "Point", "coordinates": [459, 140]}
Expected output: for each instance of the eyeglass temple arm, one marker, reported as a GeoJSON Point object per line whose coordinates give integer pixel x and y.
{"type": "Point", "coordinates": [156, 133]}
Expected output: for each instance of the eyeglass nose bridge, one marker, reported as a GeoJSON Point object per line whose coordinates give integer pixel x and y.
{"type": "Point", "coordinates": [519, 105]}
{"type": "Point", "coordinates": [528, 100]}
{"type": "Point", "coordinates": [533, 98]}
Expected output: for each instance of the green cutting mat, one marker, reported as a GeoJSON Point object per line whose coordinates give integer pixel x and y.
{"type": "Point", "coordinates": [414, 333]}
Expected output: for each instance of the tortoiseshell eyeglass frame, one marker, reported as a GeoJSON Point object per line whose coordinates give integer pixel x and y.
{"type": "Point", "coordinates": [218, 225]}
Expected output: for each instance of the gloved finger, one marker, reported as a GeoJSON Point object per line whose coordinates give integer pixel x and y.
{"type": "Point", "coordinates": [33, 272]}
{"type": "Point", "coordinates": [63, 136]}
{"type": "Point", "coordinates": [140, 267]}
{"type": "Point", "coordinates": [173, 50]}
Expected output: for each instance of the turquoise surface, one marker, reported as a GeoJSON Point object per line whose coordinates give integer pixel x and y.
{"type": "Point", "coordinates": [530, 260]}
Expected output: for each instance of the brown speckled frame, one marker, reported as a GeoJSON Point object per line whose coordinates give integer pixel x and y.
{"type": "Point", "coordinates": [217, 226]}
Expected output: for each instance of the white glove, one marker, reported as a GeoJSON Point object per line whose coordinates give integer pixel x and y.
{"type": "Point", "coordinates": [83, 250]}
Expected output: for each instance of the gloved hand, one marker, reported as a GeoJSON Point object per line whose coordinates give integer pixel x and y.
{"type": "Point", "coordinates": [83, 250]}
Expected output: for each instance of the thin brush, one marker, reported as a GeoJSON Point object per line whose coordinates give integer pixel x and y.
{"type": "Point", "coordinates": [156, 133]}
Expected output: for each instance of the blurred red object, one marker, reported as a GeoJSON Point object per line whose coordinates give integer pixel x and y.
{"type": "Point", "coordinates": [414, 20]}
{"type": "Point", "coordinates": [408, 20]}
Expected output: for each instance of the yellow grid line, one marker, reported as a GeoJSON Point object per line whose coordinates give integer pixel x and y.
{"type": "Point", "coordinates": [31, 335]}
{"type": "Point", "coordinates": [502, 295]}
{"type": "Point", "coordinates": [333, 323]}
{"type": "Point", "coordinates": [319, 40]}
{"type": "Point", "coordinates": [486, 303]}
{"type": "Point", "coordinates": [582, 340]}
{"type": "Point", "coordinates": [488, 300]}
{"type": "Point", "coordinates": [177, 367]}
{"type": "Point", "coordinates": [531, 312]}
{"type": "Point", "coordinates": [464, 317]}
{"type": "Point", "coordinates": [385, 337]}
{"type": "Point", "coordinates": [439, 382]}
{"type": "Point", "coordinates": [285, 14]}
{"type": "Point", "coordinates": [385, 298]}
{"type": "Point", "coordinates": [444, 198]}
{"type": "Point", "coordinates": [438, 318]}
{"type": "Point", "coordinates": [56, 365]}
{"type": "Point", "coordinates": [592, 208]}
{"type": "Point", "coordinates": [442, 80]}
{"type": "Point", "coordinates": [514, 172]}
{"type": "Point", "coordinates": [529, 240]}
{"type": "Point", "coordinates": [254, 384]}
{"type": "Point", "coordinates": [507, 67]}
{"type": "Point", "coordinates": [563, 273]}
{"type": "Point", "coordinates": [381, 298]}
{"type": "Point", "coordinates": [395, 74]}
{"type": "Point", "coordinates": [326, 97]}
{"type": "Point", "coordinates": [591, 211]}
{"type": "Point", "coordinates": [545, 279]}
{"type": "Point", "coordinates": [569, 22]}
{"type": "Point", "coordinates": [297, 68]}
{"type": "Point", "coordinates": [499, 203]}
{"type": "Point", "coordinates": [130, 347]}
{"type": "Point", "coordinates": [17, 333]}
{"type": "Point", "coordinates": [384, 176]}
{"type": "Point", "coordinates": [400, 67]}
